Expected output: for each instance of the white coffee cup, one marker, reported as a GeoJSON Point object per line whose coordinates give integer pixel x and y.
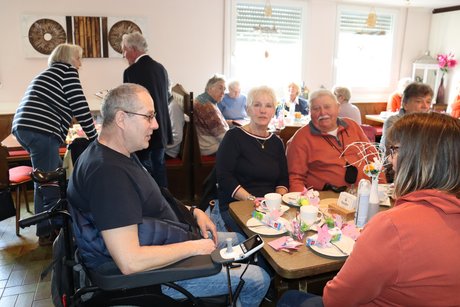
{"type": "Point", "coordinates": [308, 214]}
{"type": "Point", "coordinates": [273, 201]}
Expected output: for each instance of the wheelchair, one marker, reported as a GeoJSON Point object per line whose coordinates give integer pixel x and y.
{"type": "Point", "coordinates": [73, 284]}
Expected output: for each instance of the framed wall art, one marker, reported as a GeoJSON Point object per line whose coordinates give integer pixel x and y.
{"type": "Point", "coordinates": [100, 37]}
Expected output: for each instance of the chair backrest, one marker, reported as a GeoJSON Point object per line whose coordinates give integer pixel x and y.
{"type": "Point", "coordinates": [77, 147]}
{"type": "Point", "coordinates": [4, 173]}
{"type": "Point", "coordinates": [287, 132]}
{"type": "Point", "coordinates": [369, 131]}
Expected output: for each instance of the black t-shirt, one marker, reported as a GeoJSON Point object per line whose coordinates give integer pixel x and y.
{"type": "Point", "coordinates": [116, 189]}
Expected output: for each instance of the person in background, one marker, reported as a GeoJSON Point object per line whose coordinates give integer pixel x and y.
{"type": "Point", "coordinates": [153, 76]}
{"type": "Point", "coordinates": [210, 124]}
{"type": "Point", "coordinates": [116, 195]}
{"type": "Point", "coordinates": [394, 101]}
{"type": "Point", "coordinates": [233, 105]}
{"type": "Point", "coordinates": [251, 160]}
{"type": "Point", "coordinates": [43, 118]}
{"type": "Point", "coordinates": [346, 109]}
{"type": "Point", "coordinates": [178, 119]}
{"type": "Point", "coordinates": [416, 98]}
{"type": "Point", "coordinates": [455, 108]}
{"type": "Point", "coordinates": [413, 247]}
{"type": "Point", "coordinates": [314, 153]}
{"type": "Point", "coordinates": [294, 103]}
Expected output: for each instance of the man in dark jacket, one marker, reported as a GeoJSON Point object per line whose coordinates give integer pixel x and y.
{"type": "Point", "coordinates": [153, 76]}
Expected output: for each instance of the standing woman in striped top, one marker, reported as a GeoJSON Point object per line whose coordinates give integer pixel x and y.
{"type": "Point", "coordinates": [44, 115]}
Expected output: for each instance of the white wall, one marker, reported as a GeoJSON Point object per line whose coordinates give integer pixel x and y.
{"type": "Point", "coordinates": [186, 36]}
{"type": "Point", "coordinates": [444, 38]}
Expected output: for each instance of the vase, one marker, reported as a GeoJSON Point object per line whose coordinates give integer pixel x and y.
{"type": "Point", "coordinates": [373, 198]}
{"type": "Point", "coordinates": [440, 95]}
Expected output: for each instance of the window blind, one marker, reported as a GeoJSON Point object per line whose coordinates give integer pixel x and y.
{"type": "Point", "coordinates": [355, 22]}
{"type": "Point", "coordinates": [283, 26]}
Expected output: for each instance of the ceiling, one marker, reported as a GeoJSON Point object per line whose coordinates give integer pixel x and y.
{"type": "Point", "coordinates": [433, 4]}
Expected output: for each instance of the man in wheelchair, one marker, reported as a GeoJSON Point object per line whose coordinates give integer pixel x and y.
{"type": "Point", "coordinates": [122, 215]}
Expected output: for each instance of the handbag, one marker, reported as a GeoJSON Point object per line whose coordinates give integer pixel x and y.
{"type": "Point", "coordinates": [7, 208]}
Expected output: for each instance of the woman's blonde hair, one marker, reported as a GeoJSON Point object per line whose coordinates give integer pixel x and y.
{"type": "Point", "coordinates": [258, 91]}
{"type": "Point", "coordinates": [428, 154]}
{"type": "Point", "coordinates": [65, 53]}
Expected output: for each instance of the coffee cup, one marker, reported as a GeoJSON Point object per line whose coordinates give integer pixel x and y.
{"type": "Point", "coordinates": [273, 201]}
{"type": "Point", "coordinates": [308, 214]}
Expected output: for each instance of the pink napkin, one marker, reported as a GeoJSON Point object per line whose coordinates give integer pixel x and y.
{"type": "Point", "coordinates": [286, 243]}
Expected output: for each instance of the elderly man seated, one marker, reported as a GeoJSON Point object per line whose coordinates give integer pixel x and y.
{"type": "Point", "coordinates": [211, 125]}
{"type": "Point", "coordinates": [233, 105]}
{"type": "Point", "coordinates": [314, 153]}
{"type": "Point", "coordinates": [110, 186]}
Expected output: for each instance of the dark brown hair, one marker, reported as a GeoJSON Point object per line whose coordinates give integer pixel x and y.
{"type": "Point", "coordinates": [416, 89]}
{"type": "Point", "coordinates": [429, 153]}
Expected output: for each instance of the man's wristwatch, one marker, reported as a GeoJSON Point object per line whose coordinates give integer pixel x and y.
{"type": "Point", "coordinates": [251, 197]}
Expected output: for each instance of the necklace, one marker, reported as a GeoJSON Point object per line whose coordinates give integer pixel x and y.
{"type": "Point", "coordinates": [262, 144]}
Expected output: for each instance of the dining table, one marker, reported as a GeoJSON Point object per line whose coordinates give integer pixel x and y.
{"type": "Point", "coordinates": [303, 269]}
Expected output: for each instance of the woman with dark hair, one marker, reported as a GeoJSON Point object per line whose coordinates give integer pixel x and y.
{"type": "Point", "coordinates": [409, 254]}
{"type": "Point", "coordinates": [44, 115]}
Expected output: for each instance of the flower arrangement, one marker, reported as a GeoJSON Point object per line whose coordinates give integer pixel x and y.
{"type": "Point", "coordinates": [371, 157]}
{"type": "Point", "coordinates": [446, 61]}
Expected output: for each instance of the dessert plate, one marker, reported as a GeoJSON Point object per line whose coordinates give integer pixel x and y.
{"type": "Point", "coordinates": [345, 244]}
{"type": "Point", "coordinates": [262, 229]}
{"type": "Point", "coordinates": [263, 207]}
{"type": "Point", "coordinates": [291, 198]}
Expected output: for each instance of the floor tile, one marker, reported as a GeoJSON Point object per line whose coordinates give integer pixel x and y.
{"type": "Point", "coordinates": [8, 301]}
{"type": "Point", "coordinates": [43, 290]}
{"type": "Point", "coordinates": [24, 300]}
{"type": "Point", "coordinates": [19, 289]}
{"type": "Point", "coordinates": [43, 303]}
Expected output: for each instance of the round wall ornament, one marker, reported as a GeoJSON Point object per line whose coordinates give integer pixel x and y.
{"type": "Point", "coordinates": [45, 34]}
{"type": "Point", "coordinates": [117, 31]}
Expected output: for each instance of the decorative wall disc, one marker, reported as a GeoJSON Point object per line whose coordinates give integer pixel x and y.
{"type": "Point", "coordinates": [118, 29]}
{"type": "Point", "coordinates": [45, 34]}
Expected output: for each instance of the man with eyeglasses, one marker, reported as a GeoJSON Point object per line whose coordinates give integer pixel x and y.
{"type": "Point", "coordinates": [112, 190]}
{"type": "Point", "coordinates": [153, 76]}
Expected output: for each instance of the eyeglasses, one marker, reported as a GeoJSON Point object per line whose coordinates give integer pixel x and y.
{"type": "Point", "coordinates": [148, 117]}
{"type": "Point", "coordinates": [393, 151]}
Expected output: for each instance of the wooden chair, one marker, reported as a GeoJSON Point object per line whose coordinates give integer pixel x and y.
{"type": "Point", "coordinates": [370, 132]}
{"type": "Point", "coordinates": [16, 178]}
{"type": "Point", "coordinates": [202, 165]}
{"type": "Point", "coordinates": [287, 132]}
{"type": "Point", "coordinates": [179, 170]}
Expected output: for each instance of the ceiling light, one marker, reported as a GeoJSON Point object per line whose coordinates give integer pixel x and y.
{"type": "Point", "coordinates": [371, 18]}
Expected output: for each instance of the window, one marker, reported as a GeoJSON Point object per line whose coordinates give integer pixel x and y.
{"type": "Point", "coordinates": [265, 49]}
{"type": "Point", "coordinates": [364, 55]}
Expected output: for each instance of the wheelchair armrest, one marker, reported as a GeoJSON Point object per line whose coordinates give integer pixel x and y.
{"type": "Point", "coordinates": [108, 276]}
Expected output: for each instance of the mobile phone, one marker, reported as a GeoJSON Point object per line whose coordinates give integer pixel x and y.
{"type": "Point", "coordinates": [243, 250]}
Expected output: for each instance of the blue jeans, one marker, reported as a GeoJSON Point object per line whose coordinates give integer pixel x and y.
{"type": "Point", "coordinates": [154, 162]}
{"type": "Point", "coordinates": [253, 292]}
{"type": "Point", "coordinates": [293, 298]}
{"type": "Point", "coordinates": [44, 155]}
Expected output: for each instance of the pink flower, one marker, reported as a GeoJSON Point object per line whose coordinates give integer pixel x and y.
{"type": "Point", "coordinates": [446, 61]}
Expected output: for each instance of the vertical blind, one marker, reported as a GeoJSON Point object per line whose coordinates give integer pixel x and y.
{"type": "Point", "coordinates": [283, 26]}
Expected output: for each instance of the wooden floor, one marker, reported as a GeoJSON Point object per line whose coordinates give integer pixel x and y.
{"type": "Point", "coordinates": [21, 262]}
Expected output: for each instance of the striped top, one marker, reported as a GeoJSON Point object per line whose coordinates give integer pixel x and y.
{"type": "Point", "coordinates": [50, 102]}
